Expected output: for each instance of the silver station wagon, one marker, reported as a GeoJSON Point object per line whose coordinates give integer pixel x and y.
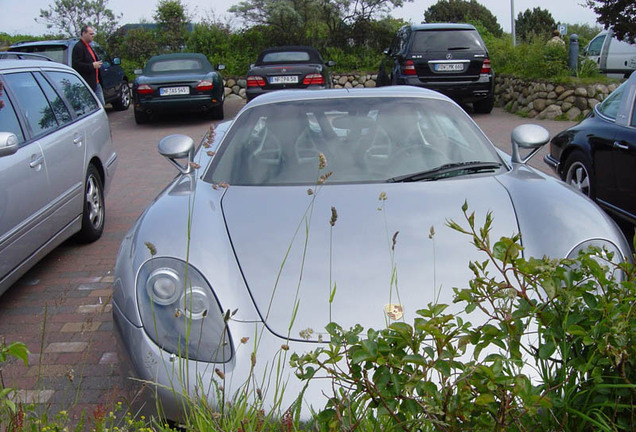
{"type": "Point", "coordinates": [57, 161]}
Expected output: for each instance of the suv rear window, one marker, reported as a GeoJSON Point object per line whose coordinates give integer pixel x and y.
{"type": "Point", "coordinates": [56, 53]}
{"type": "Point", "coordinates": [446, 40]}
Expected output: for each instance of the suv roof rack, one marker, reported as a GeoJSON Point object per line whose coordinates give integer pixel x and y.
{"type": "Point", "coordinates": [16, 55]}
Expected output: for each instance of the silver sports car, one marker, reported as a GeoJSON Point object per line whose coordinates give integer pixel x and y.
{"type": "Point", "coordinates": [307, 208]}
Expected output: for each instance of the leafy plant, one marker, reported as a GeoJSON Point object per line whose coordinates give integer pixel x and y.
{"type": "Point", "coordinates": [552, 346]}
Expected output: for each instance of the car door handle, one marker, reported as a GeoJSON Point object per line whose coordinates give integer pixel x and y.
{"type": "Point", "coordinates": [77, 140]}
{"type": "Point", "coordinates": [36, 161]}
{"type": "Point", "coordinates": [620, 146]}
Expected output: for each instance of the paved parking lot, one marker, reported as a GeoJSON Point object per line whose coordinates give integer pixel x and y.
{"type": "Point", "coordinates": [61, 309]}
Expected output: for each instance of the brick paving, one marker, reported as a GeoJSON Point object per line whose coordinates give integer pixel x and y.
{"type": "Point", "coordinates": [62, 308]}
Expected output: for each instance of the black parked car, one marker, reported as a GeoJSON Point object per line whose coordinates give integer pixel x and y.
{"type": "Point", "coordinates": [598, 155]}
{"type": "Point", "coordinates": [288, 67]}
{"type": "Point", "coordinates": [449, 58]}
{"type": "Point", "coordinates": [178, 82]}
{"type": "Point", "coordinates": [115, 82]}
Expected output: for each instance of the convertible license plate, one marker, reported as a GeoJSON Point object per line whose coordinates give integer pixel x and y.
{"type": "Point", "coordinates": [449, 67]}
{"type": "Point", "coordinates": [284, 79]}
{"type": "Point", "coordinates": [170, 91]}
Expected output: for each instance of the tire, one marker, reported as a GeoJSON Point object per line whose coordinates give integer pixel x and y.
{"type": "Point", "coordinates": [484, 106]}
{"type": "Point", "coordinates": [141, 117]}
{"type": "Point", "coordinates": [94, 213]}
{"type": "Point", "coordinates": [123, 101]}
{"type": "Point", "coordinates": [577, 172]}
{"type": "Point", "coordinates": [216, 112]}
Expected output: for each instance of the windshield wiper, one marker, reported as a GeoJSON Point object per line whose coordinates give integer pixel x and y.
{"type": "Point", "coordinates": [448, 170]}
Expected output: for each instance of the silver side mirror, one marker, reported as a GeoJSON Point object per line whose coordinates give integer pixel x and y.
{"type": "Point", "coordinates": [8, 143]}
{"type": "Point", "coordinates": [175, 147]}
{"type": "Point", "coordinates": [528, 137]}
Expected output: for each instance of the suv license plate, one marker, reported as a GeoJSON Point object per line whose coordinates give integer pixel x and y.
{"type": "Point", "coordinates": [170, 91]}
{"type": "Point", "coordinates": [449, 67]}
{"type": "Point", "coordinates": [285, 79]}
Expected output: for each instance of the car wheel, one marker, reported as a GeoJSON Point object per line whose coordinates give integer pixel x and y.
{"type": "Point", "coordinates": [484, 106]}
{"type": "Point", "coordinates": [141, 117]}
{"type": "Point", "coordinates": [123, 102]}
{"type": "Point", "coordinates": [94, 211]}
{"type": "Point", "coordinates": [217, 112]}
{"type": "Point", "coordinates": [578, 174]}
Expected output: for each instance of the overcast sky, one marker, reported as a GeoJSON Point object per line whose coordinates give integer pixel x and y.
{"type": "Point", "coordinates": [17, 16]}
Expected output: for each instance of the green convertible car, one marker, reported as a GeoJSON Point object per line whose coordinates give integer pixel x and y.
{"type": "Point", "coordinates": [178, 82]}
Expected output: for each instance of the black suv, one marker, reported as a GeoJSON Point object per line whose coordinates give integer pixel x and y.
{"type": "Point", "coordinates": [449, 58]}
{"type": "Point", "coordinates": [115, 82]}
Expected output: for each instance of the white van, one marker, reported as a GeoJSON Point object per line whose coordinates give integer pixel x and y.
{"type": "Point", "coordinates": [611, 55]}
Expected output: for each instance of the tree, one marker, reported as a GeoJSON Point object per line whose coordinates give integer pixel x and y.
{"type": "Point", "coordinates": [69, 16]}
{"type": "Point", "coordinates": [618, 14]}
{"type": "Point", "coordinates": [172, 19]}
{"type": "Point", "coordinates": [534, 23]}
{"type": "Point", "coordinates": [318, 22]}
{"type": "Point", "coordinates": [460, 11]}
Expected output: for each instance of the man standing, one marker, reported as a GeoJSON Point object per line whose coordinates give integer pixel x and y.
{"type": "Point", "coordinates": [87, 63]}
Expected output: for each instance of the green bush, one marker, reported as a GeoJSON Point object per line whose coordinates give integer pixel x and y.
{"type": "Point", "coordinates": [557, 351]}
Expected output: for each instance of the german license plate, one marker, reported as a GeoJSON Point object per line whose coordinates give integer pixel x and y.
{"type": "Point", "coordinates": [449, 67]}
{"type": "Point", "coordinates": [284, 79]}
{"type": "Point", "coordinates": [171, 91]}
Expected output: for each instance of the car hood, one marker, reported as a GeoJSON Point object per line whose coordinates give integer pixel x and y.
{"type": "Point", "coordinates": [395, 254]}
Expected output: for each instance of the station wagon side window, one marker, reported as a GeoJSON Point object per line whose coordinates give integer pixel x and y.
{"type": "Point", "coordinates": [61, 112]}
{"type": "Point", "coordinates": [36, 108]}
{"type": "Point", "coordinates": [8, 119]}
{"type": "Point", "coordinates": [75, 92]}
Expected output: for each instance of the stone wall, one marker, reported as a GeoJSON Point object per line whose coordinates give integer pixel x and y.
{"type": "Point", "coordinates": [548, 101]}
{"type": "Point", "coordinates": [235, 87]}
{"type": "Point", "coordinates": [525, 97]}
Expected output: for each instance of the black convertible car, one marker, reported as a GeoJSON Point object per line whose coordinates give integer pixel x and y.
{"type": "Point", "coordinates": [288, 67]}
{"type": "Point", "coordinates": [178, 82]}
{"type": "Point", "coordinates": [598, 155]}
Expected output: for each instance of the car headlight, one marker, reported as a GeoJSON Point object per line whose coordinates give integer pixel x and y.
{"type": "Point", "coordinates": [610, 256]}
{"type": "Point", "coordinates": [180, 313]}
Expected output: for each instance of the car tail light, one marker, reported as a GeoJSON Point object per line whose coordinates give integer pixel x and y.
{"type": "Point", "coordinates": [409, 68]}
{"type": "Point", "coordinates": [314, 79]}
{"type": "Point", "coordinates": [205, 86]}
{"type": "Point", "coordinates": [485, 67]}
{"type": "Point", "coordinates": [255, 81]}
{"type": "Point", "coordinates": [144, 89]}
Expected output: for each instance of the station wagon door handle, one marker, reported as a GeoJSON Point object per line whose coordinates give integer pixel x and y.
{"type": "Point", "coordinates": [78, 140]}
{"type": "Point", "coordinates": [36, 161]}
{"type": "Point", "coordinates": [620, 146]}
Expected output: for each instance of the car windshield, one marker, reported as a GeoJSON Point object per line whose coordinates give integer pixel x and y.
{"type": "Point", "coordinates": [445, 40]}
{"type": "Point", "coordinates": [365, 139]}
{"type": "Point", "coordinates": [286, 56]}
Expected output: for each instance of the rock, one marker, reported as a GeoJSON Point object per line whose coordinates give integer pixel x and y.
{"type": "Point", "coordinates": [581, 103]}
{"type": "Point", "coordinates": [565, 94]}
{"type": "Point", "coordinates": [235, 89]}
{"type": "Point", "coordinates": [233, 97]}
{"type": "Point", "coordinates": [369, 83]}
{"type": "Point", "coordinates": [580, 91]}
{"type": "Point", "coordinates": [573, 113]}
{"type": "Point", "coordinates": [343, 80]}
{"type": "Point", "coordinates": [539, 104]}
{"type": "Point", "coordinates": [227, 91]}
{"type": "Point", "coordinates": [242, 83]}
{"type": "Point", "coordinates": [559, 89]}
{"type": "Point", "coordinates": [591, 91]}
{"type": "Point", "coordinates": [567, 106]}
{"type": "Point", "coordinates": [593, 102]}
{"type": "Point", "coordinates": [551, 112]}
{"type": "Point", "coordinates": [230, 82]}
